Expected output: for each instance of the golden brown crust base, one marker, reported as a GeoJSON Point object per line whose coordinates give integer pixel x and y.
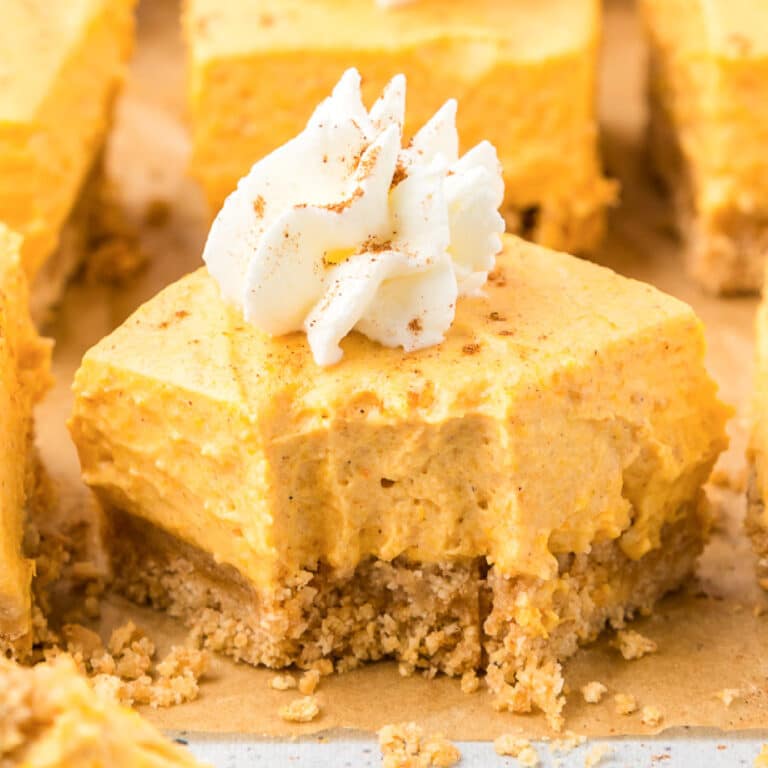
{"type": "Point", "coordinates": [425, 616]}
{"type": "Point", "coordinates": [756, 530]}
{"type": "Point", "coordinates": [725, 253]}
{"type": "Point", "coordinates": [453, 618]}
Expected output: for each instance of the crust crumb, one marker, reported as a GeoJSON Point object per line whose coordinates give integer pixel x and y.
{"type": "Point", "coordinates": [761, 761]}
{"type": "Point", "coordinates": [595, 755]}
{"type": "Point", "coordinates": [302, 710]}
{"type": "Point", "coordinates": [283, 682]}
{"type": "Point", "coordinates": [520, 748]}
{"type": "Point", "coordinates": [633, 645]}
{"type": "Point", "coordinates": [126, 671]}
{"type": "Point", "coordinates": [626, 703]}
{"type": "Point", "coordinates": [309, 681]}
{"type": "Point", "coordinates": [404, 745]}
{"type": "Point", "coordinates": [568, 742]}
{"type": "Point", "coordinates": [728, 695]}
{"type": "Point", "coordinates": [470, 682]}
{"type": "Point", "coordinates": [593, 692]}
{"type": "Point", "coordinates": [651, 716]}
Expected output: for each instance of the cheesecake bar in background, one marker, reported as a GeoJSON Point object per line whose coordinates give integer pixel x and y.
{"type": "Point", "coordinates": [524, 72]}
{"type": "Point", "coordinates": [709, 131]}
{"type": "Point", "coordinates": [61, 67]}
{"type": "Point", "coordinates": [24, 377]}
{"type": "Point", "coordinates": [757, 494]}
{"type": "Point", "coordinates": [51, 717]}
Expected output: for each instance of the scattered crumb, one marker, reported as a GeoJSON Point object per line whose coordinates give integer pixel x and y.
{"type": "Point", "coordinates": [651, 716]}
{"type": "Point", "coordinates": [761, 761]}
{"type": "Point", "coordinates": [568, 743]}
{"type": "Point", "coordinates": [282, 682]}
{"type": "Point", "coordinates": [470, 682]}
{"type": "Point", "coordinates": [125, 669]}
{"type": "Point", "coordinates": [633, 645]}
{"type": "Point", "coordinates": [309, 681]}
{"type": "Point", "coordinates": [728, 695]}
{"type": "Point", "coordinates": [626, 703]}
{"type": "Point", "coordinates": [404, 746]}
{"type": "Point", "coordinates": [517, 747]}
{"type": "Point", "coordinates": [301, 710]}
{"type": "Point", "coordinates": [593, 692]}
{"type": "Point", "coordinates": [595, 755]}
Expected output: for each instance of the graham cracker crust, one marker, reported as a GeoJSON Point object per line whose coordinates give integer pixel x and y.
{"type": "Point", "coordinates": [426, 616]}
{"type": "Point", "coordinates": [725, 252]}
{"type": "Point", "coordinates": [756, 529]}
{"type": "Point", "coordinates": [454, 618]}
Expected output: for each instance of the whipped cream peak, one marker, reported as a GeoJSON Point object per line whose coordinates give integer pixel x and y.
{"type": "Point", "coordinates": [343, 229]}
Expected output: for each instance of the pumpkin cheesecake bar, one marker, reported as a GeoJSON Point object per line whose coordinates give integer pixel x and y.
{"type": "Point", "coordinates": [709, 124]}
{"type": "Point", "coordinates": [24, 377]}
{"type": "Point", "coordinates": [513, 489]}
{"type": "Point", "coordinates": [50, 716]}
{"type": "Point", "coordinates": [372, 427]}
{"type": "Point", "coordinates": [523, 71]}
{"type": "Point", "coordinates": [61, 66]}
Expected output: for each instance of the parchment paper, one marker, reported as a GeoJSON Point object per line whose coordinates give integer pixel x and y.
{"type": "Point", "coordinates": [708, 637]}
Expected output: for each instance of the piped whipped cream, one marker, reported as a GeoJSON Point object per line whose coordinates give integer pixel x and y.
{"type": "Point", "coordinates": [344, 229]}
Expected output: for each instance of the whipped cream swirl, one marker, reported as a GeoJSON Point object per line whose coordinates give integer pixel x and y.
{"type": "Point", "coordinates": [343, 229]}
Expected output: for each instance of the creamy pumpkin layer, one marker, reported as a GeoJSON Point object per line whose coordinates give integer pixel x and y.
{"type": "Point", "coordinates": [24, 377]}
{"type": "Point", "coordinates": [62, 65]}
{"type": "Point", "coordinates": [709, 60]}
{"type": "Point", "coordinates": [523, 72]}
{"type": "Point", "coordinates": [540, 425]}
{"type": "Point", "coordinates": [52, 717]}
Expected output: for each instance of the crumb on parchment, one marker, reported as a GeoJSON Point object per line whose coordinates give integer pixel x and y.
{"type": "Point", "coordinates": [761, 761]}
{"type": "Point", "coordinates": [126, 670]}
{"type": "Point", "coordinates": [651, 716]}
{"type": "Point", "coordinates": [302, 710]}
{"type": "Point", "coordinates": [626, 703]}
{"type": "Point", "coordinates": [633, 645]}
{"type": "Point", "coordinates": [283, 682]}
{"type": "Point", "coordinates": [404, 745]}
{"type": "Point", "coordinates": [728, 695]}
{"type": "Point", "coordinates": [470, 682]}
{"type": "Point", "coordinates": [594, 757]}
{"type": "Point", "coordinates": [593, 692]}
{"type": "Point", "coordinates": [518, 747]}
{"type": "Point", "coordinates": [309, 681]}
